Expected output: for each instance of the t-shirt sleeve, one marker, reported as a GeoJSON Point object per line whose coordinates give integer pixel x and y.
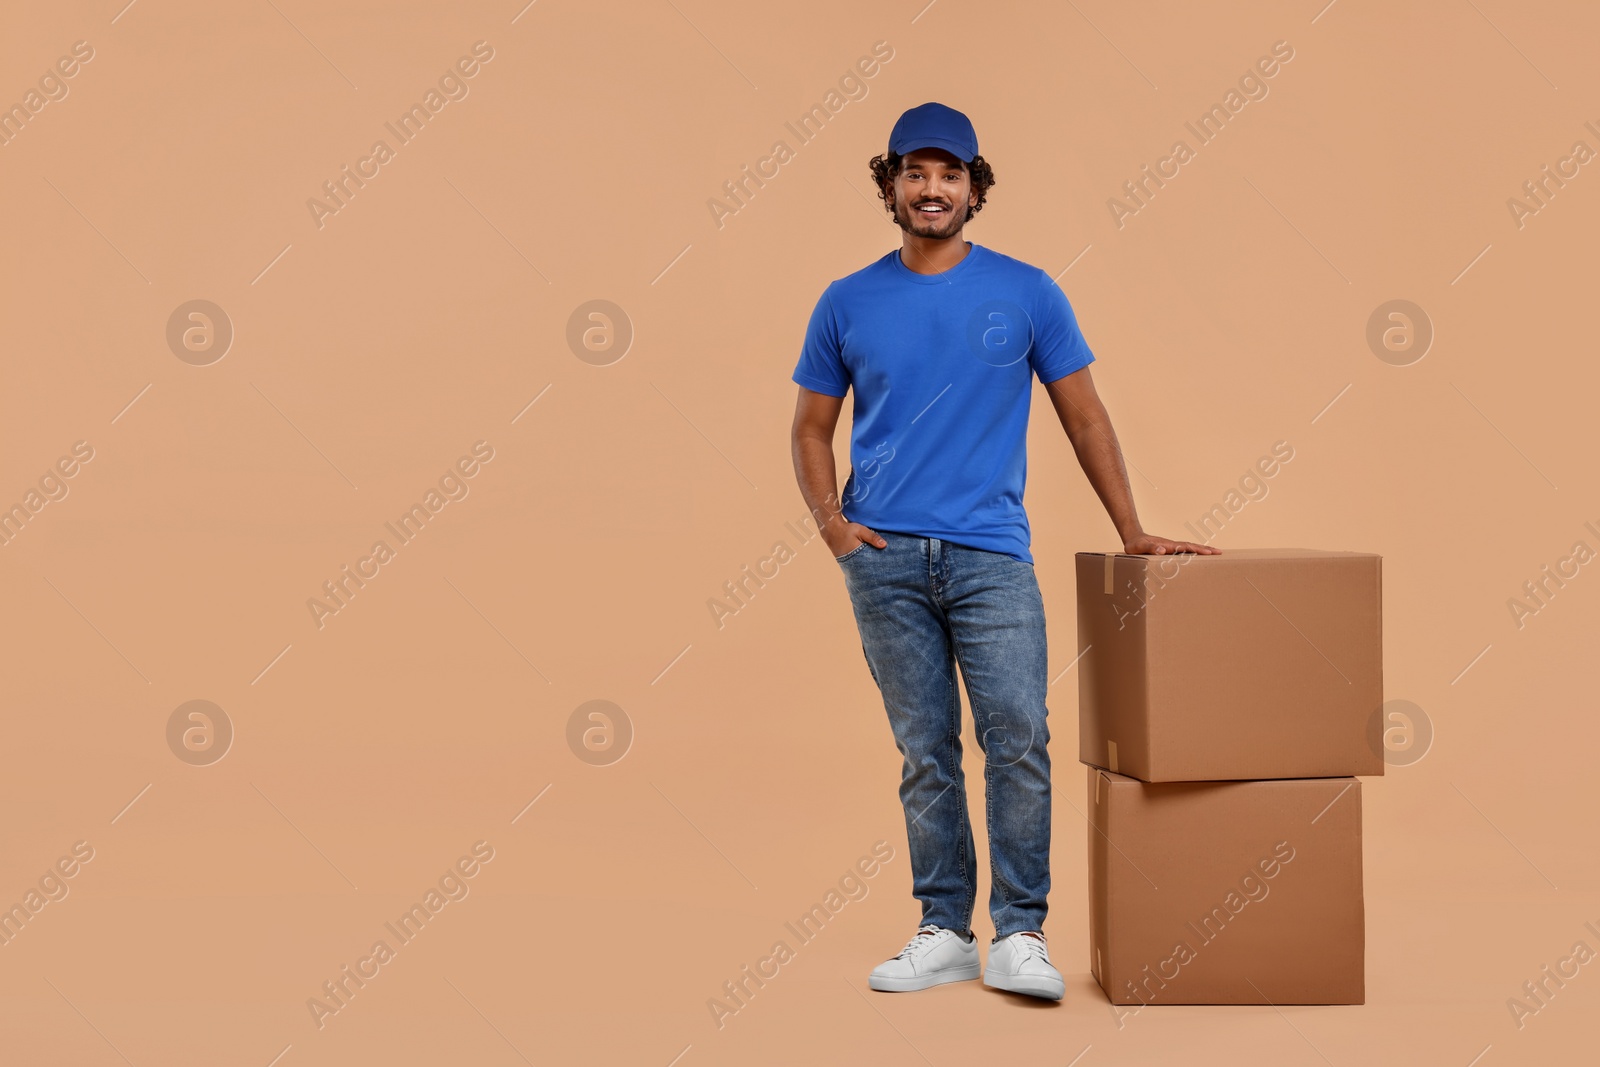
{"type": "Point", "coordinates": [821, 367]}
{"type": "Point", "coordinates": [1058, 344]}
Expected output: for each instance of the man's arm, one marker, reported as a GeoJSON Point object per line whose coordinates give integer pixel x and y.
{"type": "Point", "coordinates": [1088, 427]}
{"type": "Point", "coordinates": [816, 415]}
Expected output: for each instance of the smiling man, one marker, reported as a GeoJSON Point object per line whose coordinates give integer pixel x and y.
{"type": "Point", "coordinates": [941, 339]}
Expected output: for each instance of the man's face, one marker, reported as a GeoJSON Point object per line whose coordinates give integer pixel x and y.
{"type": "Point", "coordinates": [932, 193]}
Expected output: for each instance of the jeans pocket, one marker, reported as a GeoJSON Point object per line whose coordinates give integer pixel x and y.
{"type": "Point", "coordinates": [852, 552]}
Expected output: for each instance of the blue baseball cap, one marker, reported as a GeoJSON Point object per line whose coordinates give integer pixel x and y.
{"type": "Point", "coordinates": [934, 126]}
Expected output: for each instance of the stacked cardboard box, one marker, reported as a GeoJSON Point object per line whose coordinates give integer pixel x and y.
{"type": "Point", "coordinates": [1226, 704]}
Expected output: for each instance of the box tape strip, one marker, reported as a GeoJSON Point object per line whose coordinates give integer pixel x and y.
{"type": "Point", "coordinates": [1111, 562]}
{"type": "Point", "coordinates": [1111, 754]}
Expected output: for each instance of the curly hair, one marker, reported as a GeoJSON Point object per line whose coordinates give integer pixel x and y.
{"type": "Point", "coordinates": [886, 167]}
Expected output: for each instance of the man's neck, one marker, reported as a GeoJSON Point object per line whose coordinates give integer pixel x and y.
{"type": "Point", "coordinates": [925, 255]}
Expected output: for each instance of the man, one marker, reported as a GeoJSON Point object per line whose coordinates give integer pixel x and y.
{"type": "Point", "coordinates": [940, 340]}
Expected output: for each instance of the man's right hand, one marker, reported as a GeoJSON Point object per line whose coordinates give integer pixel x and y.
{"type": "Point", "coordinates": [848, 536]}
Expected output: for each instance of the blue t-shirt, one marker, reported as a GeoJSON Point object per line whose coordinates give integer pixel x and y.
{"type": "Point", "coordinates": [943, 367]}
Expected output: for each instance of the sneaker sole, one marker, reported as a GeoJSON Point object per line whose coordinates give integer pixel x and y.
{"type": "Point", "coordinates": [924, 981]}
{"type": "Point", "coordinates": [1032, 985]}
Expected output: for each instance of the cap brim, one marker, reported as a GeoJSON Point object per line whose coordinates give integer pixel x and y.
{"type": "Point", "coordinates": [957, 150]}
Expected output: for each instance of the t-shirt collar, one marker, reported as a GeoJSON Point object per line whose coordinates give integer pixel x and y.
{"type": "Point", "coordinates": [943, 276]}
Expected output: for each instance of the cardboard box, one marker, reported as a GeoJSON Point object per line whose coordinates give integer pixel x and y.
{"type": "Point", "coordinates": [1226, 892]}
{"type": "Point", "coordinates": [1255, 663]}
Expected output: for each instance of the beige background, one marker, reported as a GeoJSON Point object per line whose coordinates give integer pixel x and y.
{"type": "Point", "coordinates": [369, 354]}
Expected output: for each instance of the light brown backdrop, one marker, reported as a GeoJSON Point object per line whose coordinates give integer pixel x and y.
{"type": "Point", "coordinates": [428, 313]}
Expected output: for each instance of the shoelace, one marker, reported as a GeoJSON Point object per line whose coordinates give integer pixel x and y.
{"type": "Point", "coordinates": [921, 942]}
{"type": "Point", "coordinates": [1033, 946]}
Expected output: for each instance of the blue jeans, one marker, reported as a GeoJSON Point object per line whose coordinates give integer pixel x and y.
{"type": "Point", "coordinates": [923, 605]}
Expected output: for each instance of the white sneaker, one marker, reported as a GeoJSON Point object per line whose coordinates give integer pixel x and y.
{"type": "Point", "coordinates": [935, 956]}
{"type": "Point", "coordinates": [1021, 963]}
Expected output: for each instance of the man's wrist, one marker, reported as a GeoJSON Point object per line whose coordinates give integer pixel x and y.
{"type": "Point", "coordinates": [836, 523]}
{"type": "Point", "coordinates": [830, 516]}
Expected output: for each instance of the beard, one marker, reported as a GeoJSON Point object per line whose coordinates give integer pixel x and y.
{"type": "Point", "coordinates": [937, 228]}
